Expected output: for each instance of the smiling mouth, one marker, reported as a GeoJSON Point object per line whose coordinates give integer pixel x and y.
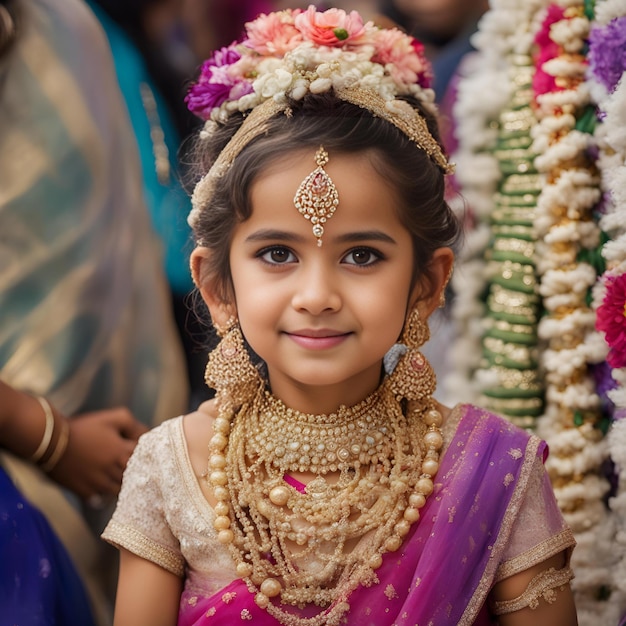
{"type": "Point", "coordinates": [317, 339]}
{"type": "Point", "coordinates": [321, 333]}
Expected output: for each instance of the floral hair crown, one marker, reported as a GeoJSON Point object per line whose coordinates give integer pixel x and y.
{"type": "Point", "coordinates": [287, 54]}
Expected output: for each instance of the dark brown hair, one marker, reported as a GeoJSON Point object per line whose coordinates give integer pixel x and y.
{"type": "Point", "coordinates": [340, 127]}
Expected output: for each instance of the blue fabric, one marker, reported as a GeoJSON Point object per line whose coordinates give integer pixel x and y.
{"type": "Point", "coordinates": [38, 583]}
{"type": "Point", "coordinates": [167, 202]}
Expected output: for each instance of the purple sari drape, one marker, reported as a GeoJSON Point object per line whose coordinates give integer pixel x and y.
{"type": "Point", "coordinates": [446, 566]}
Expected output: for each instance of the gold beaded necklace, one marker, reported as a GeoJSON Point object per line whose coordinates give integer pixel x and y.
{"type": "Point", "coordinates": [372, 467]}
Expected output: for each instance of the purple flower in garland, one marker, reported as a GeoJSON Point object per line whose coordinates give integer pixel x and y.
{"type": "Point", "coordinates": [611, 319]}
{"type": "Point", "coordinates": [604, 383]}
{"type": "Point", "coordinates": [607, 52]}
{"type": "Point", "coordinates": [216, 83]}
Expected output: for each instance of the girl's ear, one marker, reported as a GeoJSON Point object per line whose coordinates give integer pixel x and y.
{"type": "Point", "coordinates": [427, 296]}
{"type": "Point", "coordinates": [220, 310]}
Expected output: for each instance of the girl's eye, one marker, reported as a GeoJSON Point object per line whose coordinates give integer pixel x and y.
{"type": "Point", "coordinates": [362, 257]}
{"type": "Point", "coordinates": [277, 255]}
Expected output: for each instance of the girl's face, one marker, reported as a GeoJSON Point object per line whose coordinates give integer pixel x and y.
{"type": "Point", "coordinates": [322, 318]}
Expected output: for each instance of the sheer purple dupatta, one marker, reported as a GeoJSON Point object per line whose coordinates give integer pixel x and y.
{"type": "Point", "coordinates": [446, 567]}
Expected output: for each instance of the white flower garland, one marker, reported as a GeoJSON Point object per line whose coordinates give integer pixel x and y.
{"type": "Point", "coordinates": [564, 227]}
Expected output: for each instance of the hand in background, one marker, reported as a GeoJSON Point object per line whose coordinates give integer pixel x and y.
{"type": "Point", "coordinates": [100, 444]}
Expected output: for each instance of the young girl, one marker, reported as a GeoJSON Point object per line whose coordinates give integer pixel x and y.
{"type": "Point", "coordinates": [326, 485]}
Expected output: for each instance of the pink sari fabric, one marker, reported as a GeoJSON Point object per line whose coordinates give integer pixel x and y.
{"type": "Point", "coordinates": [446, 566]}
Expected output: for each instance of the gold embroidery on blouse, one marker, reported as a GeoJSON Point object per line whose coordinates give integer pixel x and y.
{"type": "Point", "coordinates": [390, 592]}
{"type": "Point", "coordinates": [246, 615]}
{"type": "Point", "coordinates": [211, 612]}
{"type": "Point", "coordinates": [515, 453]}
{"type": "Point", "coordinates": [228, 597]}
{"type": "Point", "coordinates": [193, 601]}
{"type": "Point", "coordinates": [542, 587]}
{"type": "Point", "coordinates": [546, 549]}
{"type": "Point", "coordinates": [508, 479]}
{"type": "Point", "coordinates": [137, 543]}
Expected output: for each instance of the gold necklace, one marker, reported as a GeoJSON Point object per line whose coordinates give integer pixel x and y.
{"type": "Point", "coordinates": [298, 442]}
{"type": "Point", "coordinates": [306, 545]}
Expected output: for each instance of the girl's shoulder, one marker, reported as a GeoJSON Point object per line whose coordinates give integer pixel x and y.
{"type": "Point", "coordinates": [155, 440]}
{"type": "Point", "coordinates": [166, 445]}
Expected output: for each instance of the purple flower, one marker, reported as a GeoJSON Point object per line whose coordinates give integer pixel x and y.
{"type": "Point", "coordinates": [203, 97]}
{"type": "Point", "coordinates": [215, 84]}
{"type": "Point", "coordinates": [224, 56]}
{"type": "Point", "coordinates": [607, 52]}
{"type": "Point", "coordinates": [604, 383]}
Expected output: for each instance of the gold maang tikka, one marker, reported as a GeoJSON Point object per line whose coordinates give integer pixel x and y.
{"type": "Point", "coordinates": [317, 197]}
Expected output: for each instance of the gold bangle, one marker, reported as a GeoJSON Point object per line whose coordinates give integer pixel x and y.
{"type": "Point", "coordinates": [47, 433]}
{"type": "Point", "coordinates": [59, 450]}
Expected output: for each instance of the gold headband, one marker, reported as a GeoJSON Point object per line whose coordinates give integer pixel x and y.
{"type": "Point", "coordinates": [398, 112]}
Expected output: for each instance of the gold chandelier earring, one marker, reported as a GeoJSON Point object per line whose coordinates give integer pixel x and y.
{"type": "Point", "coordinates": [229, 370]}
{"type": "Point", "coordinates": [413, 377]}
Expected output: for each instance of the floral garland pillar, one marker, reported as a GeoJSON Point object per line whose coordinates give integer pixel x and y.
{"type": "Point", "coordinates": [566, 238]}
{"type": "Point", "coordinates": [565, 230]}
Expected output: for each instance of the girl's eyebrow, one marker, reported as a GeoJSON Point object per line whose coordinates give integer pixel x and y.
{"type": "Point", "coordinates": [266, 234]}
{"type": "Point", "coordinates": [365, 235]}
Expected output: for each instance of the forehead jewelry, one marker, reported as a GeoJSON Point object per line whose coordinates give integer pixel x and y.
{"type": "Point", "coordinates": [317, 197]}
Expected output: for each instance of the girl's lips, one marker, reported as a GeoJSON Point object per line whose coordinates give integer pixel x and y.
{"type": "Point", "coordinates": [317, 340]}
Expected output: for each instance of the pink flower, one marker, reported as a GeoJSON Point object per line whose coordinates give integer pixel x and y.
{"type": "Point", "coordinates": [547, 49]}
{"type": "Point", "coordinates": [406, 54]}
{"type": "Point", "coordinates": [611, 319]}
{"type": "Point", "coordinates": [273, 34]}
{"type": "Point", "coordinates": [333, 27]}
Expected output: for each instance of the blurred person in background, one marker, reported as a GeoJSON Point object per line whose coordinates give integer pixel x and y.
{"type": "Point", "coordinates": [154, 57]}
{"type": "Point", "coordinates": [85, 320]}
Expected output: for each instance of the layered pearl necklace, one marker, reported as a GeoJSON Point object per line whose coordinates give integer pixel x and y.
{"type": "Point", "coordinates": [372, 467]}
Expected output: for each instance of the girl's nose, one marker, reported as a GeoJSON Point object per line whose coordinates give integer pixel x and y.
{"type": "Point", "coordinates": [317, 291]}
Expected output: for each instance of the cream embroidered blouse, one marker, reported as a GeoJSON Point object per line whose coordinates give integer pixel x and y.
{"type": "Point", "coordinates": [177, 531]}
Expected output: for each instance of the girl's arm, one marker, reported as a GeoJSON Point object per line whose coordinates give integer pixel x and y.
{"type": "Point", "coordinates": [147, 595]}
{"type": "Point", "coordinates": [560, 611]}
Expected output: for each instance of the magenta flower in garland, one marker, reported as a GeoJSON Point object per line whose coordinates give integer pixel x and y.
{"type": "Point", "coordinates": [216, 84]}
{"type": "Point", "coordinates": [607, 52]}
{"type": "Point", "coordinates": [611, 319]}
{"type": "Point", "coordinates": [546, 50]}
